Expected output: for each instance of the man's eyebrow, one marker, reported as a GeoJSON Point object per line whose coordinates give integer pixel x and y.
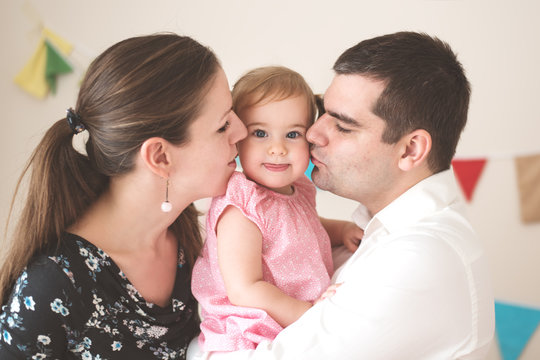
{"type": "Point", "coordinates": [344, 118]}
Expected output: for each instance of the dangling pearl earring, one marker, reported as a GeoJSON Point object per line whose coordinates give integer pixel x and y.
{"type": "Point", "coordinates": [166, 205]}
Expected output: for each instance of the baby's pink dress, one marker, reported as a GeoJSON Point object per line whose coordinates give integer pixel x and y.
{"type": "Point", "coordinates": [296, 258]}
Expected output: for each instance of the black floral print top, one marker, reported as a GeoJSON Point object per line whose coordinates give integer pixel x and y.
{"type": "Point", "coordinates": [76, 303]}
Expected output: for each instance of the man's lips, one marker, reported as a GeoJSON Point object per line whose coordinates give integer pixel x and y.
{"type": "Point", "coordinates": [315, 161]}
{"type": "Point", "coordinates": [276, 167]}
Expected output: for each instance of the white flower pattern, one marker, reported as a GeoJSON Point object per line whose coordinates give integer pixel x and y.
{"type": "Point", "coordinates": [107, 317]}
{"type": "Point", "coordinates": [29, 303]}
{"type": "Point", "coordinates": [45, 340]}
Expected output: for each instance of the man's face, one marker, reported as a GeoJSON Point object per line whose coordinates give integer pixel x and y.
{"type": "Point", "coordinates": [349, 156]}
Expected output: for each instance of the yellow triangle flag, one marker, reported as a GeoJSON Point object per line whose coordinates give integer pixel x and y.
{"type": "Point", "coordinates": [32, 76]}
{"type": "Point", "coordinates": [60, 44]}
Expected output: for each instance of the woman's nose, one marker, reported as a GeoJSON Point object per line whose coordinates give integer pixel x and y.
{"type": "Point", "coordinates": [238, 129]}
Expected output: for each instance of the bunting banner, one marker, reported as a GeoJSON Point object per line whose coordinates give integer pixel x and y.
{"type": "Point", "coordinates": [468, 173]}
{"type": "Point", "coordinates": [55, 65]}
{"type": "Point", "coordinates": [515, 324]}
{"type": "Point", "coordinates": [309, 170]}
{"type": "Point", "coordinates": [38, 76]}
{"type": "Point", "coordinates": [528, 178]}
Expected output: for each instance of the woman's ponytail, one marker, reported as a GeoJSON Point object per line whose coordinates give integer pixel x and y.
{"type": "Point", "coordinates": [61, 187]}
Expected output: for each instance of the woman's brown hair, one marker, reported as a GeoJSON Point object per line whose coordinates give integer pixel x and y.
{"type": "Point", "coordinates": [142, 87]}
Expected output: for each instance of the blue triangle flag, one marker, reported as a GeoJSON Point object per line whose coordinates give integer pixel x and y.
{"type": "Point", "coordinates": [515, 325]}
{"type": "Point", "coordinates": [309, 170]}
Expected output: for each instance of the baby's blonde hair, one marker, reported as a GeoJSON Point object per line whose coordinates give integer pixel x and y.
{"type": "Point", "coordinates": [272, 83]}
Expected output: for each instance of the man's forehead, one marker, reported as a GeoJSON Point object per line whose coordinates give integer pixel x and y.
{"type": "Point", "coordinates": [353, 88]}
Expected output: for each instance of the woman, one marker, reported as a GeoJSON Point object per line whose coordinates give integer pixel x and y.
{"type": "Point", "coordinates": [99, 264]}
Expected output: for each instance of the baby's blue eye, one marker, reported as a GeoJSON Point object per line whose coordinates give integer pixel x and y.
{"type": "Point", "coordinates": [293, 135]}
{"type": "Point", "coordinates": [259, 133]}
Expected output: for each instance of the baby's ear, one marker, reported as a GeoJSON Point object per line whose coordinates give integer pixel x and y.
{"type": "Point", "coordinates": [415, 149]}
{"type": "Point", "coordinates": [155, 155]}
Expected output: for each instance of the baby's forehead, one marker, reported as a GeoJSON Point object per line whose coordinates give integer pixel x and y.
{"type": "Point", "coordinates": [280, 115]}
{"type": "Point", "coordinates": [287, 125]}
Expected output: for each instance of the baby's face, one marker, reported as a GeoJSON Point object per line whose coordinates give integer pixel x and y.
{"type": "Point", "coordinates": [275, 153]}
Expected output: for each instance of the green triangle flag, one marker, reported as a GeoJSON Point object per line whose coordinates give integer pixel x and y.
{"type": "Point", "coordinates": [515, 325]}
{"type": "Point", "coordinates": [55, 65]}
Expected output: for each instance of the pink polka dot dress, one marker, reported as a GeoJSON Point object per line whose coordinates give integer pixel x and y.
{"type": "Point", "coordinates": [296, 258]}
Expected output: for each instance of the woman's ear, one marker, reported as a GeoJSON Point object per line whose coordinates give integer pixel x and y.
{"type": "Point", "coordinates": [416, 147]}
{"type": "Point", "coordinates": [155, 155]}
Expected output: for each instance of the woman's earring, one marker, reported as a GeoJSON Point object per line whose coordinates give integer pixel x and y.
{"type": "Point", "coordinates": [166, 205]}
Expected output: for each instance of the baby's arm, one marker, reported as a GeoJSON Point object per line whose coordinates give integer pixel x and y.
{"type": "Point", "coordinates": [240, 261]}
{"type": "Point", "coordinates": [343, 233]}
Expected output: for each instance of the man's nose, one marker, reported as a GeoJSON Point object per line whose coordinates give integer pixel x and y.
{"type": "Point", "coordinates": [316, 133]}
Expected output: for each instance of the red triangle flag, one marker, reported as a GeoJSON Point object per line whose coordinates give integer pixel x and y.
{"type": "Point", "coordinates": [467, 173]}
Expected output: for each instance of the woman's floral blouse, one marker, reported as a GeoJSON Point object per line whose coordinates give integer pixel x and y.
{"type": "Point", "coordinates": [76, 303]}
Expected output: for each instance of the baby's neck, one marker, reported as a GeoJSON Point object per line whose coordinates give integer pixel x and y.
{"type": "Point", "coordinates": [285, 190]}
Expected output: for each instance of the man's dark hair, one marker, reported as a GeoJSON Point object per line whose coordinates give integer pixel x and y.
{"type": "Point", "coordinates": [425, 88]}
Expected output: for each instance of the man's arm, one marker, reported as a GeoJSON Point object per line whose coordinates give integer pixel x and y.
{"type": "Point", "coordinates": [407, 300]}
{"type": "Point", "coordinates": [343, 232]}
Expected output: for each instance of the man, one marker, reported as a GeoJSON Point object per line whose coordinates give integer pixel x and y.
{"type": "Point", "coordinates": [418, 285]}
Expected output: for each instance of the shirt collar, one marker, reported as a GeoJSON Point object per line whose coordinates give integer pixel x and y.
{"type": "Point", "coordinates": [429, 195]}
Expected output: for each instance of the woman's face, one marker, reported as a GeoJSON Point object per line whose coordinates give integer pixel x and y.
{"type": "Point", "coordinates": [207, 161]}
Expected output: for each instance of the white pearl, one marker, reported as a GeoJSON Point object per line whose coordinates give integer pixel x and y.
{"type": "Point", "coordinates": [166, 206]}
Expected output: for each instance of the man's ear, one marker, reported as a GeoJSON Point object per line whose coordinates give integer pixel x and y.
{"type": "Point", "coordinates": [415, 149]}
{"type": "Point", "coordinates": [155, 155]}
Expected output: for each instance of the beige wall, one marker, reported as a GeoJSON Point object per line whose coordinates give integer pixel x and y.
{"type": "Point", "coordinates": [497, 41]}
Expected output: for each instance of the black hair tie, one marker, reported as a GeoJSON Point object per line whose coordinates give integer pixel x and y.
{"type": "Point", "coordinates": [74, 121]}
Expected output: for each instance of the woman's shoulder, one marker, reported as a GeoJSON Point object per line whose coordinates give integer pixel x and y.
{"type": "Point", "coordinates": [39, 307]}
{"type": "Point", "coordinates": [46, 273]}
{"type": "Point", "coordinates": [60, 268]}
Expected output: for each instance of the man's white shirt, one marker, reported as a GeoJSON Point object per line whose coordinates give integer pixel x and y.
{"type": "Point", "coordinates": [417, 288]}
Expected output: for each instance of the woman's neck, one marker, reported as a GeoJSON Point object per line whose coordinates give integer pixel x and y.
{"type": "Point", "coordinates": [125, 219]}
